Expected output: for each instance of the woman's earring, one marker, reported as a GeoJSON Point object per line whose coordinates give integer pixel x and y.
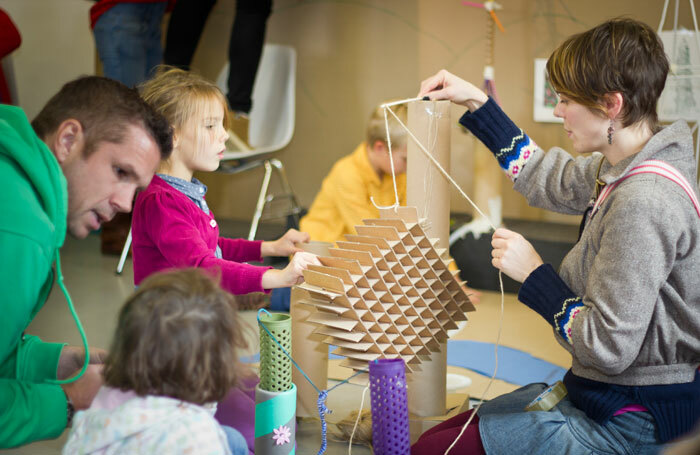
{"type": "Point", "coordinates": [611, 130]}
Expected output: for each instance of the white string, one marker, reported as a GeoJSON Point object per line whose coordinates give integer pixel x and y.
{"type": "Point", "coordinates": [500, 274]}
{"type": "Point", "coordinates": [495, 369]}
{"type": "Point", "coordinates": [393, 174]}
{"type": "Point", "coordinates": [359, 413]}
{"type": "Point", "coordinates": [428, 177]}
{"type": "Point", "coordinates": [394, 103]}
{"type": "Point", "coordinates": [442, 171]}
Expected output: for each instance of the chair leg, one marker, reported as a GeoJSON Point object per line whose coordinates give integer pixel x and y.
{"type": "Point", "coordinates": [287, 188]}
{"type": "Point", "coordinates": [125, 253]}
{"type": "Point", "coordinates": [261, 201]}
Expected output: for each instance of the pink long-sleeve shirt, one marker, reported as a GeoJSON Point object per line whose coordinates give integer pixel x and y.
{"type": "Point", "coordinates": [170, 231]}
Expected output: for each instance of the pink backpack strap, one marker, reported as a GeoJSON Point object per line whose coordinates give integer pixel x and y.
{"type": "Point", "coordinates": [653, 167]}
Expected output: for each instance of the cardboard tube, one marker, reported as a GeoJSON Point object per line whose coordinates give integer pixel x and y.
{"type": "Point", "coordinates": [310, 353]}
{"type": "Point", "coordinates": [275, 424]}
{"type": "Point", "coordinates": [428, 190]}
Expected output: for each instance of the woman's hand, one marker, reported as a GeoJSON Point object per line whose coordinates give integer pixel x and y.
{"type": "Point", "coordinates": [285, 245]}
{"type": "Point", "coordinates": [513, 255]}
{"type": "Point", "coordinates": [447, 86]}
{"type": "Point", "coordinates": [290, 275]}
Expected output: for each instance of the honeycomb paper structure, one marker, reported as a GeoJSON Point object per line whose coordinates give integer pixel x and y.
{"type": "Point", "coordinates": [385, 293]}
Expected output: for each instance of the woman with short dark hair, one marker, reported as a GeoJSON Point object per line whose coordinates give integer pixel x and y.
{"type": "Point", "coordinates": [625, 302]}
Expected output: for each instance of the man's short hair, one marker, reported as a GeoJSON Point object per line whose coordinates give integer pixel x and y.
{"type": "Point", "coordinates": [620, 55]}
{"type": "Point", "coordinates": [104, 108]}
{"type": "Point", "coordinates": [177, 336]}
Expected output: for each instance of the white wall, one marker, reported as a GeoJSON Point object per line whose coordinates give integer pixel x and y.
{"type": "Point", "coordinates": [57, 46]}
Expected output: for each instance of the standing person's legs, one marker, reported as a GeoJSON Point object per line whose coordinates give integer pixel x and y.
{"type": "Point", "coordinates": [119, 39]}
{"type": "Point", "coordinates": [154, 45]}
{"type": "Point", "coordinates": [245, 48]}
{"type": "Point", "coordinates": [184, 30]}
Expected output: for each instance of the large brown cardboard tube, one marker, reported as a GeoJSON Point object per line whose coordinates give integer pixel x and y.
{"type": "Point", "coordinates": [428, 190]}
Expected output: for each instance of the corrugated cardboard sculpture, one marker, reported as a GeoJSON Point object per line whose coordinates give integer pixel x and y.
{"type": "Point", "coordinates": [385, 293]}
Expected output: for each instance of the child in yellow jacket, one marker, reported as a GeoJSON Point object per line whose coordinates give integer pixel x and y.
{"type": "Point", "coordinates": [346, 193]}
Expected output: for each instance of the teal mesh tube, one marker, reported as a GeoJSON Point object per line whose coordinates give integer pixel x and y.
{"type": "Point", "coordinates": [275, 366]}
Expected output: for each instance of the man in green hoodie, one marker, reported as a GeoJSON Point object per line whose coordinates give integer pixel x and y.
{"type": "Point", "coordinates": [79, 162]}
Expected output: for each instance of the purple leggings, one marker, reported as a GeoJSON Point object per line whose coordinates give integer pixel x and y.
{"type": "Point", "coordinates": [237, 410]}
{"type": "Point", "coordinates": [440, 437]}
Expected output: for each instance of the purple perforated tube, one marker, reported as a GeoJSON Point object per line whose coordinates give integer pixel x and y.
{"type": "Point", "coordinates": [390, 434]}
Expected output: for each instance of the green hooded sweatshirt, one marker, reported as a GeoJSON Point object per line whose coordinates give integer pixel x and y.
{"type": "Point", "coordinates": [32, 229]}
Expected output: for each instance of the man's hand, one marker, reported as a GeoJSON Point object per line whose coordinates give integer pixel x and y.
{"type": "Point", "coordinates": [285, 245]}
{"type": "Point", "coordinates": [82, 391]}
{"type": "Point", "coordinates": [72, 359]}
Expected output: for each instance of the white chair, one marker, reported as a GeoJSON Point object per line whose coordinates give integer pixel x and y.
{"type": "Point", "coordinates": [270, 129]}
{"type": "Point", "coordinates": [271, 126]}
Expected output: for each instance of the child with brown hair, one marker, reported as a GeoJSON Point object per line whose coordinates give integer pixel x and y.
{"type": "Point", "coordinates": [174, 354]}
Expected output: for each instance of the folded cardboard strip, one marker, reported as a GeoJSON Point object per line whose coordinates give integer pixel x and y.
{"type": "Point", "coordinates": [385, 293]}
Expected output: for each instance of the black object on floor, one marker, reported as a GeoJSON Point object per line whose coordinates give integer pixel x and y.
{"type": "Point", "coordinates": [473, 256]}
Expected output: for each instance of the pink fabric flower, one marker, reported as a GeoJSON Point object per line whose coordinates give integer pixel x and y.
{"type": "Point", "coordinates": [282, 435]}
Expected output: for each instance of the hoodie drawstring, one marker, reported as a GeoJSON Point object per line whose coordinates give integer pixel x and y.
{"type": "Point", "coordinates": [59, 276]}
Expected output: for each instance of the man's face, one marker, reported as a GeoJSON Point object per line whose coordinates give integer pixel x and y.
{"type": "Point", "coordinates": [104, 183]}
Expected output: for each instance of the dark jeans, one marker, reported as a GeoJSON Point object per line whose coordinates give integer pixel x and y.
{"type": "Point", "coordinates": [245, 45]}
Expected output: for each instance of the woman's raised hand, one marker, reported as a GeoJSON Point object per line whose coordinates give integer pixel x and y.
{"type": "Point", "coordinates": [513, 255]}
{"type": "Point", "coordinates": [446, 86]}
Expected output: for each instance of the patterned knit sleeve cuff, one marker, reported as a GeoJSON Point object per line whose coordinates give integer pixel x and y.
{"type": "Point", "coordinates": [511, 146]}
{"type": "Point", "coordinates": [545, 292]}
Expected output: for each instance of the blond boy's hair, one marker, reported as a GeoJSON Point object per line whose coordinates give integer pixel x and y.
{"type": "Point", "coordinates": [376, 129]}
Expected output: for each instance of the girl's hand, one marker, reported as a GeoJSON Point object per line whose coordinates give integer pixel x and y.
{"type": "Point", "coordinates": [447, 86]}
{"type": "Point", "coordinates": [285, 245]}
{"type": "Point", "coordinates": [513, 255]}
{"type": "Point", "coordinates": [290, 275]}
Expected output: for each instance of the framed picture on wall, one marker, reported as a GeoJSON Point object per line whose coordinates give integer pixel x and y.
{"type": "Point", "coordinates": [681, 96]}
{"type": "Point", "coordinates": [545, 98]}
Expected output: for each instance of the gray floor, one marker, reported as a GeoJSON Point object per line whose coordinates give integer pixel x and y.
{"type": "Point", "coordinates": [98, 293]}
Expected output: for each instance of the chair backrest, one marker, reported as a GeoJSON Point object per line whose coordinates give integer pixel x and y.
{"type": "Point", "coordinates": [272, 115]}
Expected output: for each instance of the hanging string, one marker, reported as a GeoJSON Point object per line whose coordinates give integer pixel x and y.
{"type": "Point", "coordinates": [396, 203]}
{"type": "Point", "coordinates": [357, 420]}
{"type": "Point", "coordinates": [322, 394]}
{"type": "Point", "coordinates": [500, 274]}
{"type": "Point", "coordinates": [386, 106]}
{"type": "Point", "coordinates": [440, 168]}
{"type": "Point", "coordinates": [394, 103]}
{"type": "Point", "coordinates": [428, 176]}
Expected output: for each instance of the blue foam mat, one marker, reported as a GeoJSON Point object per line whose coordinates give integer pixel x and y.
{"type": "Point", "coordinates": [514, 366]}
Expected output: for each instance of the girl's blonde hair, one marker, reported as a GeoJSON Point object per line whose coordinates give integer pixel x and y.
{"type": "Point", "coordinates": [181, 96]}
